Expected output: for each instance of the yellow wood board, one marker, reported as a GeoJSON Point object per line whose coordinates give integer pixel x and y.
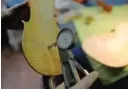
{"type": "Point", "coordinates": [40, 32]}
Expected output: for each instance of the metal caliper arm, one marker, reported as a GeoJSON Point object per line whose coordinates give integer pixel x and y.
{"type": "Point", "coordinates": [70, 73]}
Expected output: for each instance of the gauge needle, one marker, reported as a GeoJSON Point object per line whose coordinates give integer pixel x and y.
{"type": "Point", "coordinates": [65, 41]}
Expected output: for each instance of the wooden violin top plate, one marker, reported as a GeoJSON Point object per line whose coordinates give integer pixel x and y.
{"type": "Point", "coordinates": [110, 49]}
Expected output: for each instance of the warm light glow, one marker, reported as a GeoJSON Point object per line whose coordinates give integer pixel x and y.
{"type": "Point", "coordinates": [110, 48]}
{"type": "Point", "coordinates": [119, 40]}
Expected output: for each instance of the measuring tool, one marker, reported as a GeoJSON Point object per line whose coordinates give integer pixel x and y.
{"type": "Point", "coordinates": [66, 41]}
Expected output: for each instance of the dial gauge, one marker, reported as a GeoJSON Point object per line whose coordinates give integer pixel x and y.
{"type": "Point", "coordinates": [65, 39]}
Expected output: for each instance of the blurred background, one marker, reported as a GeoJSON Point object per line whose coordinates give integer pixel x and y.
{"type": "Point", "coordinates": [16, 73]}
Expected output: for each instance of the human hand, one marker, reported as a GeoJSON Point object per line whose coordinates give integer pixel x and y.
{"type": "Point", "coordinates": [12, 17]}
{"type": "Point", "coordinates": [85, 83]}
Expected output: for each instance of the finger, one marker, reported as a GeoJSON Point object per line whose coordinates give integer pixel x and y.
{"type": "Point", "coordinates": [87, 81]}
{"type": "Point", "coordinates": [15, 8]}
{"type": "Point", "coordinates": [18, 6]}
{"type": "Point", "coordinates": [17, 26]}
{"type": "Point", "coordinates": [56, 12]}
{"type": "Point", "coordinates": [61, 86]}
{"type": "Point", "coordinates": [25, 14]}
{"type": "Point", "coordinates": [22, 11]}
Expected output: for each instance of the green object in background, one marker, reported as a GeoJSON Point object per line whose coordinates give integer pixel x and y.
{"type": "Point", "coordinates": [103, 22]}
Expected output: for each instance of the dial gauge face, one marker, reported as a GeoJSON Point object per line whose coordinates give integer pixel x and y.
{"type": "Point", "coordinates": [65, 39]}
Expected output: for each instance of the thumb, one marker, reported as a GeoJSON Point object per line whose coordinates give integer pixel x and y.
{"type": "Point", "coordinates": [87, 81]}
{"type": "Point", "coordinates": [21, 11]}
{"type": "Point", "coordinates": [15, 8]}
{"type": "Point", "coordinates": [19, 6]}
